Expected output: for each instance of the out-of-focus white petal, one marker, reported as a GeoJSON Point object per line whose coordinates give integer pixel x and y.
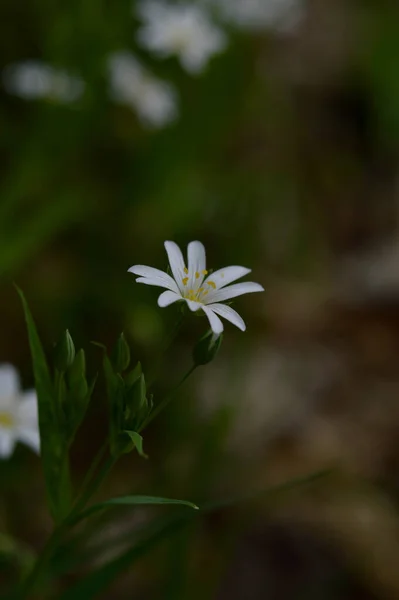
{"type": "Point", "coordinates": [215, 323]}
{"type": "Point", "coordinates": [167, 298]}
{"type": "Point", "coordinates": [176, 262]}
{"type": "Point", "coordinates": [30, 437]}
{"type": "Point", "coordinates": [7, 443]}
{"type": "Point", "coordinates": [9, 384]}
{"type": "Point", "coordinates": [223, 277]}
{"type": "Point", "coordinates": [33, 80]}
{"type": "Point", "coordinates": [184, 30]}
{"type": "Point", "coordinates": [27, 412]}
{"type": "Point", "coordinates": [152, 276]}
{"type": "Point", "coordinates": [154, 100]}
{"type": "Point", "coordinates": [230, 314]}
{"type": "Point", "coordinates": [231, 291]}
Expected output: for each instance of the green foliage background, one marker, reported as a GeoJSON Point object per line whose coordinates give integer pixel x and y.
{"type": "Point", "coordinates": [284, 158]}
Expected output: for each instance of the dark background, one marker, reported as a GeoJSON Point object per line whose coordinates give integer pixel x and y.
{"type": "Point", "coordinates": [284, 158]}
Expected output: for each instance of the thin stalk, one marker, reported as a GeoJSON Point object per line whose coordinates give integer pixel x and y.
{"type": "Point", "coordinates": [168, 398]}
{"type": "Point", "coordinates": [90, 486]}
{"type": "Point", "coordinates": [171, 338]}
{"type": "Point", "coordinates": [92, 469]}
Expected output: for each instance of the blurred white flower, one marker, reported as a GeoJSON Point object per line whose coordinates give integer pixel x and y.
{"type": "Point", "coordinates": [184, 30]}
{"type": "Point", "coordinates": [32, 80]}
{"type": "Point", "coordinates": [18, 413]}
{"type": "Point", "coordinates": [260, 14]}
{"type": "Point", "coordinates": [191, 284]}
{"type": "Point", "coordinates": [155, 101]}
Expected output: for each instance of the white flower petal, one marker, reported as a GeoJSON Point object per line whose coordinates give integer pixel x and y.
{"type": "Point", "coordinates": [7, 442]}
{"type": "Point", "coordinates": [9, 384]}
{"type": "Point", "coordinates": [27, 412]}
{"type": "Point", "coordinates": [194, 306]}
{"type": "Point", "coordinates": [152, 276]}
{"type": "Point", "coordinates": [167, 298]}
{"type": "Point", "coordinates": [176, 262]}
{"type": "Point", "coordinates": [215, 323]}
{"type": "Point", "coordinates": [196, 264]}
{"type": "Point", "coordinates": [230, 314]}
{"type": "Point", "coordinates": [223, 277]}
{"type": "Point", "coordinates": [231, 291]}
{"type": "Point", "coordinates": [30, 437]}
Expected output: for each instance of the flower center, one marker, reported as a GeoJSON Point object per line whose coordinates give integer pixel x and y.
{"type": "Point", "coordinates": [192, 292]}
{"type": "Point", "coordinates": [6, 420]}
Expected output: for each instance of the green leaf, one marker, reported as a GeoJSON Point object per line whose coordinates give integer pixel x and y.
{"type": "Point", "coordinates": [53, 446]}
{"type": "Point", "coordinates": [97, 581]}
{"type": "Point", "coordinates": [133, 375]}
{"type": "Point", "coordinates": [131, 501]}
{"type": "Point", "coordinates": [138, 442]}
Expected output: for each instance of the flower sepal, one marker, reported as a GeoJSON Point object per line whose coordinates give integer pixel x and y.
{"type": "Point", "coordinates": [120, 356]}
{"type": "Point", "coordinates": [64, 352]}
{"type": "Point", "coordinates": [207, 348]}
{"type": "Point", "coordinates": [77, 395]}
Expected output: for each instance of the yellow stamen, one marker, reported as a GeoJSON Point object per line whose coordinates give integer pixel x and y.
{"type": "Point", "coordinates": [204, 272]}
{"type": "Point", "coordinates": [6, 420]}
{"type": "Point", "coordinates": [212, 284]}
{"type": "Point", "coordinates": [185, 270]}
{"type": "Point", "coordinates": [200, 290]}
{"type": "Point", "coordinates": [206, 292]}
{"type": "Point", "coordinates": [184, 280]}
{"type": "Point", "coordinates": [197, 275]}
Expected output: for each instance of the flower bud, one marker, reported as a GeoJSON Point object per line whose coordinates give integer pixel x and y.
{"type": "Point", "coordinates": [64, 353]}
{"type": "Point", "coordinates": [76, 375]}
{"type": "Point", "coordinates": [206, 348]}
{"type": "Point", "coordinates": [121, 354]}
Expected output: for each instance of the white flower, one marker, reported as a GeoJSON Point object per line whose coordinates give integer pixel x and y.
{"type": "Point", "coordinates": [193, 284]}
{"type": "Point", "coordinates": [32, 80]}
{"type": "Point", "coordinates": [18, 413]}
{"type": "Point", "coordinates": [260, 14]}
{"type": "Point", "coordinates": [154, 100]}
{"type": "Point", "coordinates": [183, 30]}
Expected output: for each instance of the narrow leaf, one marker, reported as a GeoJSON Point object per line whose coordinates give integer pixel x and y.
{"type": "Point", "coordinates": [53, 447]}
{"type": "Point", "coordinates": [97, 581]}
{"type": "Point", "coordinates": [131, 501]}
{"type": "Point", "coordinates": [138, 442]}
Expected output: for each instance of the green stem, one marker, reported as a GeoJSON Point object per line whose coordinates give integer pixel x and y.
{"type": "Point", "coordinates": [30, 583]}
{"type": "Point", "coordinates": [92, 469]}
{"type": "Point", "coordinates": [90, 486]}
{"type": "Point", "coordinates": [168, 398]}
{"type": "Point", "coordinates": [91, 490]}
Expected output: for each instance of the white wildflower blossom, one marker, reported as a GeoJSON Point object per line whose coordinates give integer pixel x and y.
{"type": "Point", "coordinates": [18, 413]}
{"type": "Point", "coordinates": [155, 101]}
{"type": "Point", "coordinates": [182, 30]}
{"type": "Point", "coordinates": [260, 14]}
{"type": "Point", "coordinates": [201, 291]}
{"type": "Point", "coordinates": [33, 80]}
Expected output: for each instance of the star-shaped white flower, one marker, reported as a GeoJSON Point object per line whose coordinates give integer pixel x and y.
{"type": "Point", "coordinates": [154, 100]}
{"type": "Point", "coordinates": [184, 30]}
{"type": "Point", "coordinates": [193, 284]}
{"type": "Point", "coordinates": [18, 413]}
